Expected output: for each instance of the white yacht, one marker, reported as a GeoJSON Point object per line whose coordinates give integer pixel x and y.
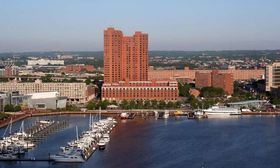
{"type": "Point", "coordinates": [166, 114]}
{"type": "Point", "coordinates": [101, 144]}
{"type": "Point", "coordinates": [221, 111]}
{"type": "Point", "coordinates": [124, 115]}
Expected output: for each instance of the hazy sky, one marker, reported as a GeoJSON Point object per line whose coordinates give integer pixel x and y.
{"type": "Point", "coordinates": [48, 25]}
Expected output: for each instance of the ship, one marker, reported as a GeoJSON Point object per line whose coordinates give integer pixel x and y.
{"type": "Point", "coordinates": [221, 111]}
{"type": "Point", "coordinates": [124, 115]}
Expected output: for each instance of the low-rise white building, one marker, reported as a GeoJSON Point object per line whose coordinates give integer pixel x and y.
{"type": "Point", "coordinates": [46, 100]}
{"type": "Point", "coordinates": [44, 62]}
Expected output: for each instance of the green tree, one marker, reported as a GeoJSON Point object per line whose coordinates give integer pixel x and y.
{"type": "Point", "coordinates": [132, 104]}
{"type": "Point", "coordinates": [147, 104]}
{"type": "Point", "coordinates": [170, 105]}
{"type": "Point", "coordinates": [154, 103]}
{"type": "Point", "coordinates": [139, 104]}
{"type": "Point", "coordinates": [73, 79]}
{"type": "Point", "coordinates": [91, 105]}
{"type": "Point", "coordinates": [102, 104]}
{"type": "Point", "coordinates": [3, 115]}
{"type": "Point", "coordinates": [88, 81]}
{"type": "Point", "coordinates": [184, 89]}
{"type": "Point", "coordinates": [72, 107]}
{"type": "Point", "coordinates": [209, 92]}
{"type": "Point", "coordinates": [161, 104]}
{"type": "Point", "coordinates": [124, 104]}
{"type": "Point", "coordinates": [47, 78]}
{"type": "Point", "coordinates": [9, 108]}
{"type": "Point", "coordinates": [114, 102]}
{"type": "Point", "coordinates": [17, 108]}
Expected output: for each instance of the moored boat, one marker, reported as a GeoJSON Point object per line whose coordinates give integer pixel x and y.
{"type": "Point", "coordinates": [221, 111]}
{"type": "Point", "coordinates": [124, 115]}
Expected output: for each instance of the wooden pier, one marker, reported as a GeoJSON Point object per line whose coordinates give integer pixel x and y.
{"type": "Point", "coordinates": [40, 131]}
{"type": "Point", "coordinates": [131, 115]}
{"type": "Point", "coordinates": [27, 160]}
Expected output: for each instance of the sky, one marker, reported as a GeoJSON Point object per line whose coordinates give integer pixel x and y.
{"type": "Point", "coordinates": [190, 25]}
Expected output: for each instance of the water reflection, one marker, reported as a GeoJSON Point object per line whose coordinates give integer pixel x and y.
{"type": "Point", "coordinates": [176, 142]}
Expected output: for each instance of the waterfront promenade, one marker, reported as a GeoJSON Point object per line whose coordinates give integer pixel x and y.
{"type": "Point", "coordinates": [116, 112]}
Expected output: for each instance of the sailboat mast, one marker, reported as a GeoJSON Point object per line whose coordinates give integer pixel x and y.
{"type": "Point", "coordinates": [11, 126]}
{"type": "Point", "coordinates": [77, 136]}
{"type": "Point", "coordinates": [99, 113]}
{"type": "Point", "coordinates": [22, 127]}
{"type": "Point", "coordinates": [90, 122]}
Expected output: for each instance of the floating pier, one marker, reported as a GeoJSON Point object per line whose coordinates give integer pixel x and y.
{"type": "Point", "coordinates": [17, 144]}
{"type": "Point", "coordinates": [40, 130]}
{"type": "Point", "coordinates": [131, 115]}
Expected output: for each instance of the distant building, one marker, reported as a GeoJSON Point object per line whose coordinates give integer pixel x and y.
{"type": "Point", "coordinates": [272, 76]}
{"type": "Point", "coordinates": [46, 100]}
{"type": "Point", "coordinates": [65, 57]}
{"type": "Point", "coordinates": [44, 62]}
{"type": "Point", "coordinates": [141, 90]}
{"type": "Point", "coordinates": [75, 92]}
{"type": "Point", "coordinates": [238, 74]}
{"type": "Point", "coordinates": [215, 79]}
{"type": "Point", "coordinates": [11, 98]}
{"type": "Point", "coordinates": [223, 80]}
{"type": "Point", "coordinates": [203, 79]}
{"type": "Point", "coordinates": [78, 68]}
{"type": "Point", "coordinates": [8, 69]}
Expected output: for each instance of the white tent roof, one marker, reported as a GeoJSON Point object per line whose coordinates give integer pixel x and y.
{"type": "Point", "coordinates": [43, 95]}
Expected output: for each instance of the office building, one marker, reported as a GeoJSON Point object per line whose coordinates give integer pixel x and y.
{"type": "Point", "coordinates": [44, 62]}
{"type": "Point", "coordinates": [272, 76]}
{"type": "Point", "coordinates": [75, 92]}
{"type": "Point", "coordinates": [78, 68]}
{"type": "Point", "coordinates": [215, 79]}
{"type": "Point", "coordinates": [238, 74]}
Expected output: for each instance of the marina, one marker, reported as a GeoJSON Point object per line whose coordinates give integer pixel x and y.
{"type": "Point", "coordinates": [16, 144]}
{"type": "Point", "coordinates": [81, 149]}
{"type": "Point", "coordinates": [149, 134]}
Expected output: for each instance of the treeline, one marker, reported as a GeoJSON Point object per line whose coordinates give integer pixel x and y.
{"type": "Point", "coordinates": [12, 108]}
{"type": "Point", "coordinates": [134, 104]}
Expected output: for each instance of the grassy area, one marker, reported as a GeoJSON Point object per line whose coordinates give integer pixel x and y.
{"type": "Point", "coordinates": [3, 115]}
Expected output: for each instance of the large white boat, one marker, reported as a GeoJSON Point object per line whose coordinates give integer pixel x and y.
{"type": "Point", "coordinates": [124, 115]}
{"type": "Point", "coordinates": [221, 111]}
{"type": "Point", "coordinates": [166, 114]}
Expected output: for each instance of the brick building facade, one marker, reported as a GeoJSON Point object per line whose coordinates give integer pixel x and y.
{"type": "Point", "coordinates": [78, 68]}
{"type": "Point", "coordinates": [141, 90]}
{"type": "Point", "coordinates": [126, 70]}
{"type": "Point", "coordinates": [238, 74]}
{"type": "Point", "coordinates": [215, 79]}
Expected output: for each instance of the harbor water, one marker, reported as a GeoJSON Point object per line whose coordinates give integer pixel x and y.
{"type": "Point", "coordinates": [235, 142]}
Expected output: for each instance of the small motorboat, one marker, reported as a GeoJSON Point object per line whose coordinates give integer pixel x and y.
{"type": "Point", "coordinates": [124, 115]}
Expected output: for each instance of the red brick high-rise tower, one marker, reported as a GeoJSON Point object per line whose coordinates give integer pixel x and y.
{"type": "Point", "coordinates": [112, 55]}
{"type": "Point", "coordinates": [126, 70]}
{"type": "Point", "coordinates": [125, 58]}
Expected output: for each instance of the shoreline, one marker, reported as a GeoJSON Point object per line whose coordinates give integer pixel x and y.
{"type": "Point", "coordinates": [147, 112]}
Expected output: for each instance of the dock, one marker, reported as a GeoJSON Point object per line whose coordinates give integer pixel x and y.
{"type": "Point", "coordinates": [27, 160]}
{"type": "Point", "coordinates": [131, 115]}
{"type": "Point", "coordinates": [39, 131]}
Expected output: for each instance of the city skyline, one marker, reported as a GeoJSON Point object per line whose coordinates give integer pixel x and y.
{"type": "Point", "coordinates": [189, 26]}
